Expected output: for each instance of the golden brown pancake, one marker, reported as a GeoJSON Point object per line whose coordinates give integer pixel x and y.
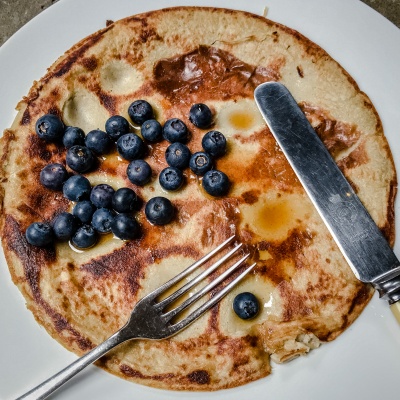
{"type": "Point", "coordinates": [171, 58]}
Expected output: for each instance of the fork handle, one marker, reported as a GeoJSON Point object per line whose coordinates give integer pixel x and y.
{"type": "Point", "coordinates": [52, 384]}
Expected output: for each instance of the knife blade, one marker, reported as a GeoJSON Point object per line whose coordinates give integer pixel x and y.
{"type": "Point", "coordinates": [356, 234]}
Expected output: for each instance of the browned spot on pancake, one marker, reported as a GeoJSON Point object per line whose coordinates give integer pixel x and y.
{"type": "Point", "coordinates": [291, 248]}
{"type": "Point", "coordinates": [356, 158]}
{"type": "Point", "coordinates": [29, 211]}
{"type": "Point", "coordinates": [209, 73]}
{"type": "Point", "coordinates": [250, 197]}
{"type": "Point", "coordinates": [149, 34]}
{"type": "Point", "coordinates": [109, 22]}
{"type": "Point", "coordinates": [109, 102]}
{"type": "Point", "coordinates": [361, 296]}
{"type": "Point", "coordinates": [300, 71]}
{"type": "Point", "coordinates": [294, 302]}
{"type": "Point", "coordinates": [39, 149]}
{"type": "Point", "coordinates": [200, 376]}
{"type": "Point", "coordinates": [133, 373]}
{"type": "Point", "coordinates": [185, 251]}
{"type": "Point", "coordinates": [336, 135]}
{"type": "Point", "coordinates": [116, 262]}
{"type": "Point", "coordinates": [8, 137]}
{"type": "Point", "coordinates": [90, 63]}
{"type": "Point", "coordinates": [26, 117]}
{"type": "Point", "coordinates": [389, 229]}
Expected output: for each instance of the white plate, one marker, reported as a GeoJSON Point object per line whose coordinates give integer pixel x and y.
{"type": "Point", "coordinates": [364, 362]}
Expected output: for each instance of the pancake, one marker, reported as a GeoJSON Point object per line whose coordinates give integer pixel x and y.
{"type": "Point", "coordinates": [307, 292]}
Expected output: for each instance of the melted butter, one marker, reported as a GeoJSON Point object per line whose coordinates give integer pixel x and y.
{"type": "Point", "coordinates": [272, 217]}
{"type": "Point", "coordinates": [242, 116]}
{"type": "Point", "coordinates": [241, 120]}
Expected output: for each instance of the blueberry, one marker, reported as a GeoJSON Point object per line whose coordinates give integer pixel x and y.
{"type": "Point", "coordinates": [140, 111]}
{"type": "Point", "coordinates": [125, 200]}
{"type": "Point", "coordinates": [246, 305]}
{"type": "Point", "coordinates": [175, 130]}
{"type": "Point", "coordinates": [53, 176]}
{"type": "Point", "coordinates": [98, 142]}
{"type": "Point", "coordinates": [139, 172]}
{"type": "Point", "coordinates": [177, 155]}
{"type": "Point", "coordinates": [214, 143]}
{"type": "Point", "coordinates": [65, 226]}
{"type": "Point", "coordinates": [85, 237]}
{"type": "Point", "coordinates": [125, 227]}
{"type": "Point", "coordinates": [102, 219]}
{"type": "Point", "coordinates": [171, 178]}
{"type": "Point", "coordinates": [159, 210]}
{"type": "Point", "coordinates": [131, 147]}
{"type": "Point", "coordinates": [39, 234]}
{"type": "Point", "coordinates": [151, 130]}
{"type": "Point", "coordinates": [216, 183]}
{"type": "Point", "coordinates": [200, 115]}
{"type": "Point", "coordinates": [200, 163]}
{"type": "Point", "coordinates": [73, 136]}
{"type": "Point", "coordinates": [80, 158]}
{"type": "Point", "coordinates": [116, 126]}
{"type": "Point", "coordinates": [50, 128]}
{"type": "Point", "coordinates": [84, 210]}
{"type": "Point", "coordinates": [101, 195]}
{"type": "Point", "coordinates": [77, 188]}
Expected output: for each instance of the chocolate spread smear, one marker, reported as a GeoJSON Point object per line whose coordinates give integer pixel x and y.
{"type": "Point", "coordinates": [210, 73]}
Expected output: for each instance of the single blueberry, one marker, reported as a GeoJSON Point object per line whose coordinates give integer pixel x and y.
{"type": "Point", "coordinates": [246, 305]}
{"type": "Point", "coordinates": [86, 236]}
{"type": "Point", "coordinates": [98, 142]}
{"type": "Point", "coordinates": [171, 178]}
{"type": "Point", "coordinates": [65, 226]}
{"type": "Point", "coordinates": [50, 128]}
{"type": "Point", "coordinates": [53, 176]}
{"type": "Point", "coordinates": [73, 136]}
{"type": "Point", "coordinates": [200, 163]}
{"type": "Point", "coordinates": [140, 111]}
{"type": "Point", "coordinates": [125, 227]}
{"type": "Point", "coordinates": [80, 158]}
{"type": "Point", "coordinates": [101, 195]}
{"type": "Point", "coordinates": [77, 188]}
{"type": "Point", "coordinates": [84, 210]}
{"type": "Point", "coordinates": [116, 126]}
{"type": "Point", "coordinates": [216, 183]}
{"type": "Point", "coordinates": [139, 172]}
{"type": "Point", "coordinates": [200, 115]}
{"type": "Point", "coordinates": [159, 210]}
{"type": "Point", "coordinates": [178, 155]}
{"type": "Point", "coordinates": [131, 147]}
{"type": "Point", "coordinates": [102, 219]}
{"type": "Point", "coordinates": [39, 234]}
{"type": "Point", "coordinates": [125, 200]}
{"type": "Point", "coordinates": [214, 143]}
{"type": "Point", "coordinates": [151, 130]}
{"type": "Point", "coordinates": [175, 130]}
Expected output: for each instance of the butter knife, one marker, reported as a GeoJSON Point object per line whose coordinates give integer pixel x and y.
{"type": "Point", "coordinates": [358, 237]}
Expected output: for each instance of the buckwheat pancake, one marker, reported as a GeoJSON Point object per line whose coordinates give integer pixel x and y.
{"type": "Point", "coordinates": [168, 57]}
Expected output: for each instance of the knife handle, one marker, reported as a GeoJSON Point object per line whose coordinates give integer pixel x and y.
{"type": "Point", "coordinates": [395, 307]}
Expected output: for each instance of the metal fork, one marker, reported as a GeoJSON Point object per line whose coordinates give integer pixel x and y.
{"type": "Point", "coordinates": [149, 320]}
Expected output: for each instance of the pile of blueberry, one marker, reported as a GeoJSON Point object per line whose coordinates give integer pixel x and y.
{"type": "Point", "coordinates": [101, 209]}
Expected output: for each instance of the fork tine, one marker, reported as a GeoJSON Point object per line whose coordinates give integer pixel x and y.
{"type": "Point", "coordinates": [208, 304]}
{"type": "Point", "coordinates": [198, 278]}
{"type": "Point", "coordinates": [169, 315]}
{"type": "Point", "coordinates": [188, 270]}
